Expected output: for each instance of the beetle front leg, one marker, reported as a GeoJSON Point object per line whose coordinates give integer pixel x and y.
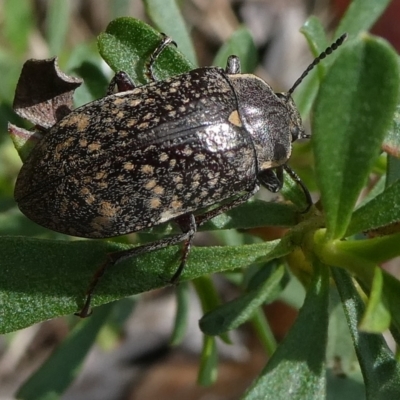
{"type": "Point", "coordinates": [272, 179]}
{"type": "Point", "coordinates": [297, 179]}
{"type": "Point", "coordinates": [122, 81]}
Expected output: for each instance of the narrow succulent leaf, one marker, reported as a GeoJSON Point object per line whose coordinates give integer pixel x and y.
{"type": "Point", "coordinates": [168, 19]}
{"type": "Point", "coordinates": [306, 93]}
{"type": "Point", "coordinates": [208, 362]}
{"type": "Point", "coordinates": [382, 210]}
{"type": "Point", "coordinates": [127, 45]}
{"type": "Point", "coordinates": [63, 366]}
{"type": "Point", "coordinates": [41, 279]}
{"type": "Point", "coordinates": [182, 314]}
{"type": "Point", "coordinates": [391, 144]}
{"type": "Point", "coordinates": [234, 313]}
{"type": "Point", "coordinates": [361, 16]}
{"type": "Point", "coordinates": [380, 369]}
{"type": "Point", "coordinates": [377, 317]}
{"type": "Point", "coordinates": [353, 111]}
{"type": "Point", "coordinates": [305, 363]}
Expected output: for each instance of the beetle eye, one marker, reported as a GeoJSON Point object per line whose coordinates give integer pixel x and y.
{"type": "Point", "coordinates": [295, 132]}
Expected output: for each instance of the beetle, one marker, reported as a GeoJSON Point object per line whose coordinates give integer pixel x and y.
{"type": "Point", "coordinates": [184, 149]}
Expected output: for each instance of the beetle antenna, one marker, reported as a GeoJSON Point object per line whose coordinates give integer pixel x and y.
{"type": "Point", "coordinates": [316, 61]}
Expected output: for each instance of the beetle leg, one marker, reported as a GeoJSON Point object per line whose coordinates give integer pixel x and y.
{"type": "Point", "coordinates": [122, 81]}
{"type": "Point", "coordinates": [233, 65]}
{"type": "Point", "coordinates": [187, 224]}
{"type": "Point", "coordinates": [272, 179]}
{"type": "Point", "coordinates": [166, 40]}
{"type": "Point", "coordinates": [306, 192]}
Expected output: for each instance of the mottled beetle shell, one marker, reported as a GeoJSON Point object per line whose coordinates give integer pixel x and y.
{"type": "Point", "coordinates": [136, 159]}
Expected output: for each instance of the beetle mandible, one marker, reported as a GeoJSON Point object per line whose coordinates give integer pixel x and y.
{"type": "Point", "coordinates": [167, 150]}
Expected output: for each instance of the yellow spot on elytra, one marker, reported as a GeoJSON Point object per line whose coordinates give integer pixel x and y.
{"type": "Point", "coordinates": [148, 116]}
{"type": "Point", "coordinates": [83, 143]}
{"type": "Point", "coordinates": [234, 119]}
{"type": "Point", "coordinates": [143, 125]}
{"type": "Point", "coordinates": [199, 157]}
{"type": "Point", "coordinates": [147, 169]}
{"type": "Point", "coordinates": [80, 121]}
{"type": "Point", "coordinates": [129, 166]}
{"type": "Point", "coordinates": [159, 190]}
{"type": "Point", "coordinates": [150, 184]}
{"type": "Point", "coordinates": [107, 209]}
{"type": "Point", "coordinates": [94, 146]}
{"type": "Point", "coordinates": [155, 202]}
{"type": "Point", "coordinates": [131, 122]}
{"type": "Point", "coordinates": [163, 157]}
{"type": "Point", "coordinates": [118, 101]}
{"type": "Point", "coordinates": [176, 204]}
{"type": "Point", "coordinates": [135, 102]}
{"type": "Point", "coordinates": [177, 178]}
{"type": "Point", "coordinates": [89, 198]}
{"type": "Point", "coordinates": [187, 151]}
{"type": "Point", "coordinates": [99, 223]}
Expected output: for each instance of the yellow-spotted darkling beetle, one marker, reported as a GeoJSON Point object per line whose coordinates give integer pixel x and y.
{"type": "Point", "coordinates": [163, 151]}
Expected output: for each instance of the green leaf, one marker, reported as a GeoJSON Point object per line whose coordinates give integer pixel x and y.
{"type": "Point", "coordinates": [57, 21]}
{"type": "Point", "coordinates": [208, 362]}
{"type": "Point", "coordinates": [234, 313]}
{"type": "Point", "coordinates": [127, 45]}
{"type": "Point", "coordinates": [258, 213]}
{"type": "Point", "coordinates": [182, 314]}
{"type": "Point", "coordinates": [168, 19]}
{"type": "Point", "coordinates": [63, 366]}
{"type": "Point", "coordinates": [353, 111]}
{"type": "Point", "coordinates": [264, 332]}
{"type": "Point", "coordinates": [361, 257]}
{"type": "Point", "coordinates": [377, 317]}
{"type": "Point", "coordinates": [380, 369]}
{"type": "Point", "coordinates": [209, 297]}
{"type": "Point", "coordinates": [17, 23]}
{"type": "Point", "coordinates": [297, 369]}
{"type": "Point", "coordinates": [361, 16]}
{"type": "Point", "coordinates": [393, 169]}
{"type": "Point", "coordinates": [41, 279]}
{"type": "Point", "coordinates": [391, 144]}
{"type": "Point", "coordinates": [240, 44]}
{"type": "Point", "coordinates": [382, 210]}
{"type": "Point", "coordinates": [344, 378]}
{"type": "Point", "coordinates": [306, 93]}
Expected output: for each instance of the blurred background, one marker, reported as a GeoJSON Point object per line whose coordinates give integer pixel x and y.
{"type": "Point", "coordinates": [132, 358]}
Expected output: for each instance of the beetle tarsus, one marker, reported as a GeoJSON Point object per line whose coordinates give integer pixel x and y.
{"type": "Point", "coordinates": [165, 41]}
